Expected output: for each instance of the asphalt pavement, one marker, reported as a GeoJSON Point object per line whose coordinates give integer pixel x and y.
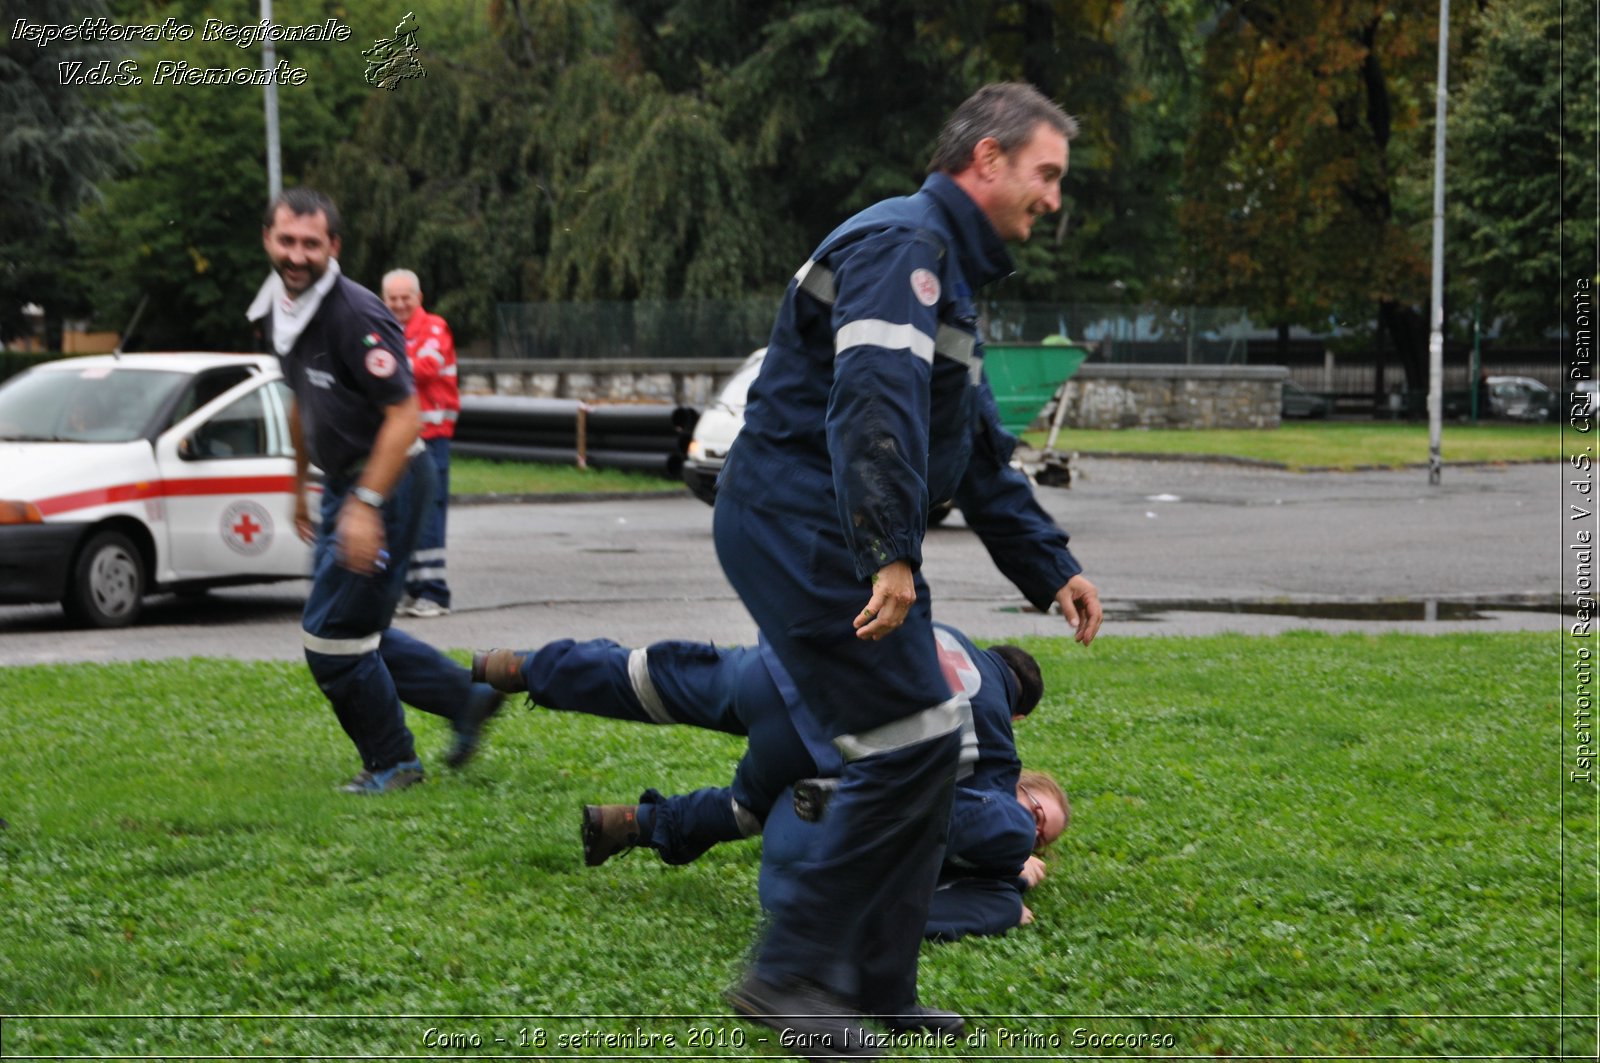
{"type": "Point", "coordinates": [1176, 548]}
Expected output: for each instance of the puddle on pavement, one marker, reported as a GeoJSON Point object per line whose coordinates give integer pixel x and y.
{"type": "Point", "coordinates": [1385, 611]}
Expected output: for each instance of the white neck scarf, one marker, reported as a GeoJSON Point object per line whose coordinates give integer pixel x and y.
{"type": "Point", "coordinates": [290, 314]}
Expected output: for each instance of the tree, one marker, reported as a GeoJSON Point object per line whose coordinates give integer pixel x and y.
{"type": "Point", "coordinates": [181, 233]}
{"type": "Point", "coordinates": [1294, 208]}
{"type": "Point", "coordinates": [1505, 199]}
{"type": "Point", "coordinates": [58, 140]}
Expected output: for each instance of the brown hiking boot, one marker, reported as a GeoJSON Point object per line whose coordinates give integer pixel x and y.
{"type": "Point", "coordinates": [607, 831]}
{"type": "Point", "coordinates": [501, 669]}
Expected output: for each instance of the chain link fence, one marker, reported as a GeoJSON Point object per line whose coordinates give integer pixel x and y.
{"type": "Point", "coordinates": [665, 330]}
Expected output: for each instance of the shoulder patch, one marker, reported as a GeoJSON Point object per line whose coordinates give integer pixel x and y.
{"type": "Point", "coordinates": [380, 363]}
{"type": "Point", "coordinates": [370, 339]}
{"type": "Point", "coordinates": [925, 286]}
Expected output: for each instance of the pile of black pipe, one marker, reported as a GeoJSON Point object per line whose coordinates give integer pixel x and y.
{"type": "Point", "coordinates": [646, 437]}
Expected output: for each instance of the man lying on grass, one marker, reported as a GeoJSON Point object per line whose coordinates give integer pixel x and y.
{"type": "Point", "coordinates": [998, 822]}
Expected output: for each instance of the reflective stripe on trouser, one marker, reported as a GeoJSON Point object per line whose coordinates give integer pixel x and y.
{"type": "Point", "coordinates": [857, 906]}
{"type": "Point", "coordinates": [692, 683]}
{"type": "Point", "coordinates": [867, 887]}
{"type": "Point", "coordinates": [426, 577]}
{"type": "Point", "coordinates": [686, 825]}
{"type": "Point", "coordinates": [363, 668]}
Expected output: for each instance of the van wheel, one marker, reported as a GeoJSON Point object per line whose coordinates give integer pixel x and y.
{"type": "Point", "coordinates": [107, 588]}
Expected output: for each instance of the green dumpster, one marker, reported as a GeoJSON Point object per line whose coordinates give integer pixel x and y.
{"type": "Point", "coordinates": [1025, 375]}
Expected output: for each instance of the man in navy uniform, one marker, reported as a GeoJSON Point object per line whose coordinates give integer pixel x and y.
{"type": "Point", "coordinates": [744, 690]}
{"type": "Point", "coordinates": [355, 414]}
{"type": "Point", "coordinates": [871, 402]}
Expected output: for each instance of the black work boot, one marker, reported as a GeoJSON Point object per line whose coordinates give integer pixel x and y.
{"type": "Point", "coordinates": [607, 831]}
{"type": "Point", "coordinates": [815, 1023]}
{"type": "Point", "coordinates": [919, 1018]}
{"type": "Point", "coordinates": [501, 669]}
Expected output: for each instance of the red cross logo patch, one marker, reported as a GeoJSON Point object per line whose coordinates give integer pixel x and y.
{"type": "Point", "coordinates": [247, 528]}
{"type": "Point", "coordinates": [959, 671]}
{"type": "Point", "coordinates": [380, 363]}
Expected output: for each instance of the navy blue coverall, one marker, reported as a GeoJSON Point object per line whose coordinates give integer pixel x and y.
{"type": "Point", "coordinates": [346, 368]}
{"type": "Point", "coordinates": [870, 404]}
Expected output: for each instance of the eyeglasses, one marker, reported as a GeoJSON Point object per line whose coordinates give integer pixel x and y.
{"type": "Point", "coordinates": [1039, 841]}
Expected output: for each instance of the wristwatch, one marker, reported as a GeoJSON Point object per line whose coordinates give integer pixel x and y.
{"type": "Point", "coordinates": [369, 496]}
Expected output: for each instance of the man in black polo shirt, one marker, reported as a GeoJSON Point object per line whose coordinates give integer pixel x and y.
{"type": "Point", "coordinates": [356, 416]}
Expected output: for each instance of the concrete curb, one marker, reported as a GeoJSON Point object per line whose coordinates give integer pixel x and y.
{"type": "Point", "coordinates": [1257, 463]}
{"type": "Point", "coordinates": [569, 496]}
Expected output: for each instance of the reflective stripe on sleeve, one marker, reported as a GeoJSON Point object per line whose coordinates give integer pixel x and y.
{"type": "Point", "coordinates": [967, 761]}
{"type": "Point", "coordinates": [943, 718]}
{"type": "Point", "coordinates": [341, 647]}
{"type": "Point", "coordinates": [961, 347]}
{"type": "Point", "coordinates": [439, 416]}
{"type": "Point", "coordinates": [950, 342]}
{"type": "Point", "coordinates": [872, 332]}
{"type": "Point", "coordinates": [644, 688]}
{"type": "Point", "coordinates": [817, 282]}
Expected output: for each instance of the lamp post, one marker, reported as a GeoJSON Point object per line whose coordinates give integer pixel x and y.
{"type": "Point", "coordinates": [1436, 314]}
{"type": "Point", "coordinates": [269, 60]}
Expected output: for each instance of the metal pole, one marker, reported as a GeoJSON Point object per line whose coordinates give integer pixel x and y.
{"type": "Point", "coordinates": [1436, 337]}
{"type": "Point", "coordinates": [269, 60]}
{"type": "Point", "coordinates": [1477, 360]}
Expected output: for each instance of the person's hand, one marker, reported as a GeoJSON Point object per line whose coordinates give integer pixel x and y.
{"type": "Point", "coordinates": [1027, 916]}
{"type": "Point", "coordinates": [894, 591]}
{"type": "Point", "coordinates": [359, 542]}
{"type": "Point", "coordinates": [1080, 604]}
{"type": "Point", "coordinates": [1032, 872]}
{"type": "Point", "coordinates": [302, 519]}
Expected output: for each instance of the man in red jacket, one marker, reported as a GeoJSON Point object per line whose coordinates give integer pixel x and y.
{"type": "Point", "coordinates": [432, 352]}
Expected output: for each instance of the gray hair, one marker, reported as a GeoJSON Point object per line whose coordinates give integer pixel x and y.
{"type": "Point", "coordinates": [401, 275]}
{"type": "Point", "coordinates": [1008, 111]}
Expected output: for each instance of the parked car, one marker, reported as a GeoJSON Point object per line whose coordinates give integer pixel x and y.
{"type": "Point", "coordinates": [714, 432]}
{"type": "Point", "coordinates": [719, 425]}
{"type": "Point", "coordinates": [1298, 402]}
{"type": "Point", "coordinates": [123, 475]}
{"type": "Point", "coordinates": [1519, 398]}
{"type": "Point", "coordinates": [1585, 401]}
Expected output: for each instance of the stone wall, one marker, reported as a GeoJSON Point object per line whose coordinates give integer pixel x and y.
{"type": "Point", "coordinates": [1175, 396]}
{"type": "Point", "coordinates": [1098, 396]}
{"type": "Point", "coordinates": [615, 380]}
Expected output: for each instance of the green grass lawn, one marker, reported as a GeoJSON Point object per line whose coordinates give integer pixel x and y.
{"type": "Point", "coordinates": [1298, 846]}
{"type": "Point", "coordinates": [479, 476]}
{"type": "Point", "coordinates": [1337, 444]}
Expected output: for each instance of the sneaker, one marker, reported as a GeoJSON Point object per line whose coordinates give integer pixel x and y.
{"type": "Point", "coordinates": [607, 831]}
{"type": "Point", "coordinates": [404, 774]}
{"type": "Point", "coordinates": [406, 605]}
{"type": "Point", "coordinates": [501, 669]}
{"type": "Point", "coordinates": [427, 608]}
{"type": "Point", "coordinates": [819, 1024]}
{"type": "Point", "coordinates": [481, 706]}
